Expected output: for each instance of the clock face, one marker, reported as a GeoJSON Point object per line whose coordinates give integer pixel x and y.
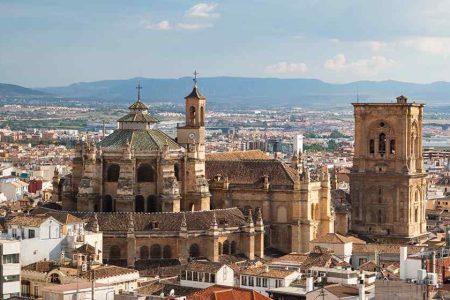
{"type": "Point", "coordinates": [191, 135]}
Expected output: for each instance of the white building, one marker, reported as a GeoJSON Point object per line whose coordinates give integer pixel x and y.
{"type": "Point", "coordinates": [82, 290]}
{"type": "Point", "coordinates": [263, 279]}
{"type": "Point", "coordinates": [44, 237]}
{"type": "Point", "coordinates": [13, 188]}
{"type": "Point", "coordinates": [341, 245]}
{"type": "Point", "coordinates": [10, 268]}
{"type": "Point", "coordinates": [203, 274]}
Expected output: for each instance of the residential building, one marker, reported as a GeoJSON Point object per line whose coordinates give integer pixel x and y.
{"type": "Point", "coordinates": [203, 274]}
{"type": "Point", "coordinates": [10, 268]}
{"type": "Point", "coordinates": [78, 291]}
{"type": "Point", "coordinates": [262, 279]}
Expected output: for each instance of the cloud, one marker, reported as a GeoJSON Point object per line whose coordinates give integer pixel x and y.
{"type": "Point", "coordinates": [166, 25]}
{"type": "Point", "coordinates": [376, 46]}
{"type": "Point", "coordinates": [203, 10]}
{"type": "Point", "coordinates": [163, 25]}
{"type": "Point", "coordinates": [367, 66]}
{"type": "Point", "coordinates": [286, 68]}
{"type": "Point", "coordinates": [336, 63]}
{"type": "Point", "coordinates": [430, 45]}
{"type": "Point", "coordinates": [193, 26]}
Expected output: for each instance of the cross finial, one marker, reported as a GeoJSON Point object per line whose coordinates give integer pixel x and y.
{"type": "Point", "coordinates": [195, 77]}
{"type": "Point", "coordinates": [139, 88]}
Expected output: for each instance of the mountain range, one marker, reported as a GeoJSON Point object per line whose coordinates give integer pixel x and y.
{"type": "Point", "coordinates": [245, 91]}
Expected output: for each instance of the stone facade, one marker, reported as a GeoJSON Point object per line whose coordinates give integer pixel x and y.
{"type": "Point", "coordinates": [387, 181]}
{"type": "Point", "coordinates": [295, 207]}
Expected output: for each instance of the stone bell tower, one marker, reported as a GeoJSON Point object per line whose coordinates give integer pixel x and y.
{"type": "Point", "coordinates": [388, 181]}
{"type": "Point", "coordinates": [192, 137]}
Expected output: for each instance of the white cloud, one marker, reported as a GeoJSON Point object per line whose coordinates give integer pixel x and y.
{"type": "Point", "coordinates": [336, 63]}
{"type": "Point", "coordinates": [429, 45]}
{"type": "Point", "coordinates": [163, 25]}
{"type": "Point", "coordinates": [203, 10]}
{"type": "Point", "coordinates": [286, 68]}
{"type": "Point", "coordinates": [376, 46]}
{"type": "Point", "coordinates": [193, 26]}
{"type": "Point", "coordinates": [367, 66]}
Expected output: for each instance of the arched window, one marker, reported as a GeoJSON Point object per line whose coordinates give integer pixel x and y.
{"type": "Point", "coordinates": [371, 146]}
{"type": "Point", "coordinates": [233, 247]}
{"type": "Point", "coordinates": [220, 246]}
{"type": "Point", "coordinates": [202, 116]}
{"type": "Point", "coordinates": [144, 252]}
{"type": "Point", "coordinates": [194, 250]}
{"type": "Point", "coordinates": [139, 203]}
{"type": "Point", "coordinates": [108, 203]}
{"type": "Point", "coordinates": [392, 147]}
{"type": "Point", "coordinates": [167, 252]}
{"type": "Point", "coordinates": [226, 247]}
{"type": "Point", "coordinates": [192, 115]}
{"type": "Point", "coordinates": [113, 173]}
{"type": "Point", "coordinates": [177, 171]}
{"type": "Point", "coordinates": [416, 215]}
{"type": "Point", "coordinates": [145, 173]}
{"type": "Point", "coordinates": [155, 251]}
{"type": "Point", "coordinates": [382, 144]}
{"type": "Point", "coordinates": [114, 252]}
{"type": "Point", "coordinates": [152, 204]}
{"type": "Point", "coordinates": [54, 278]}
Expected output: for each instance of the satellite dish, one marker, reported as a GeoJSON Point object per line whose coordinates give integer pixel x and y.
{"type": "Point", "coordinates": [172, 292]}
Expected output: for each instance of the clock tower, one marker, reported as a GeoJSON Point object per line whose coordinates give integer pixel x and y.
{"type": "Point", "coordinates": [192, 137]}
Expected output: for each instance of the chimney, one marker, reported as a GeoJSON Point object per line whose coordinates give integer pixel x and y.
{"type": "Point", "coordinates": [361, 288]}
{"type": "Point", "coordinates": [403, 258]}
{"type": "Point", "coordinates": [309, 284]}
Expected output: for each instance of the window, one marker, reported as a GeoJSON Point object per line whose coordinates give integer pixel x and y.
{"type": "Point", "coordinates": [155, 251]}
{"type": "Point", "coordinates": [382, 144]}
{"type": "Point", "coordinates": [114, 252]}
{"type": "Point", "coordinates": [11, 278]}
{"type": "Point", "coordinates": [139, 205]}
{"type": "Point", "coordinates": [371, 146]}
{"type": "Point", "coordinates": [36, 291]}
{"type": "Point", "coordinates": [416, 215]}
{"type": "Point", "coordinates": [54, 278]}
{"type": "Point", "coordinates": [213, 278]}
{"type": "Point", "coordinates": [11, 259]}
{"type": "Point", "coordinates": [189, 275]}
{"type": "Point", "coordinates": [144, 252]}
{"type": "Point", "coordinates": [206, 277]}
{"type": "Point", "coordinates": [258, 281]}
{"type": "Point", "coordinates": [278, 283]}
{"type": "Point", "coordinates": [167, 252]}
{"type": "Point", "coordinates": [183, 275]}
{"type": "Point", "coordinates": [195, 277]}
{"type": "Point", "coordinates": [194, 250]}
{"type": "Point", "coordinates": [379, 216]}
{"type": "Point", "coordinates": [145, 173]}
{"type": "Point", "coordinates": [264, 282]}
{"type": "Point", "coordinates": [362, 261]}
{"type": "Point", "coordinates": [251, 281]}
{"type": "Point", "coordinates": [200, 276]}
{"type": "Point", "coordinates": [14, 232]}
{"type": "Point", "coordinates": [113, 173]}
{"type": "Point", "coordinates": [392, 147]}
{"type": "Point", "coordinates": [244, 280]}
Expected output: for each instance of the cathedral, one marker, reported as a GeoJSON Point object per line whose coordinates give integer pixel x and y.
{"type": "Point", "coordinates": [388, 180]}
{"type": "Point", "coordinates": [148, 192]}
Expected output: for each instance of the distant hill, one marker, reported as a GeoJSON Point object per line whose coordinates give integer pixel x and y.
{"type": "Point", "coordinates": [255, 91]}
{"type": "Point", "coordinates": [11, 90]}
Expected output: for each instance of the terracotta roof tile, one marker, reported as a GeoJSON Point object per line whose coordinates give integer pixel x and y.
{"type": "Point", "coordinates": [385, 248]}
{"type": "Point", "coordinates": [107, 271]}
{"type": "Point", "coordinates": [217, 292]}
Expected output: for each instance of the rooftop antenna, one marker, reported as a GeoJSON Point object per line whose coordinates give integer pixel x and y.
{"type": "Point", "coordinates": [139, 88]}
{"type": "Point", "coordinates": [195, 77]}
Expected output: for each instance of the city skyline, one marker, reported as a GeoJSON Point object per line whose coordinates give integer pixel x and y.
{"type": "Point", "coordinates": [51, 43]}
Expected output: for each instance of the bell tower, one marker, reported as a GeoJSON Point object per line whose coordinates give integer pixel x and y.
{"type": "Point", "coordinates": [387, 180]}
{"type": "Point", "coordinates": [192, 137]}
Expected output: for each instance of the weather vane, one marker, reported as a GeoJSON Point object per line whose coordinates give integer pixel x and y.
{"type": "Point", "coordinates": [195, 77]}
{"type": "Point", "coordinates": [139, 88]}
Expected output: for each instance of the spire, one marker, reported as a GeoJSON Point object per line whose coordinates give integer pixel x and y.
{"type": "Point", "coordinates": [195, 90]}
{"type": "Point", "coordinates": [259, 219]}
{"type": "Point", "coordinates": [183, 226]}
{"type": "Point", "coordinates": [214, 224]}
{"type": "Point", "coordinates": [95, 226]}
{"type": "Point", "coordinates": [130, 223]}
{"type": "Point", "coordinates": [139, 88]}
{"type": "Point", "coordinates": [250, 217]}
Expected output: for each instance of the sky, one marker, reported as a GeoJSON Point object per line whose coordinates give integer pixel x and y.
{"type": "Point", "coordinates": [60, 42]}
